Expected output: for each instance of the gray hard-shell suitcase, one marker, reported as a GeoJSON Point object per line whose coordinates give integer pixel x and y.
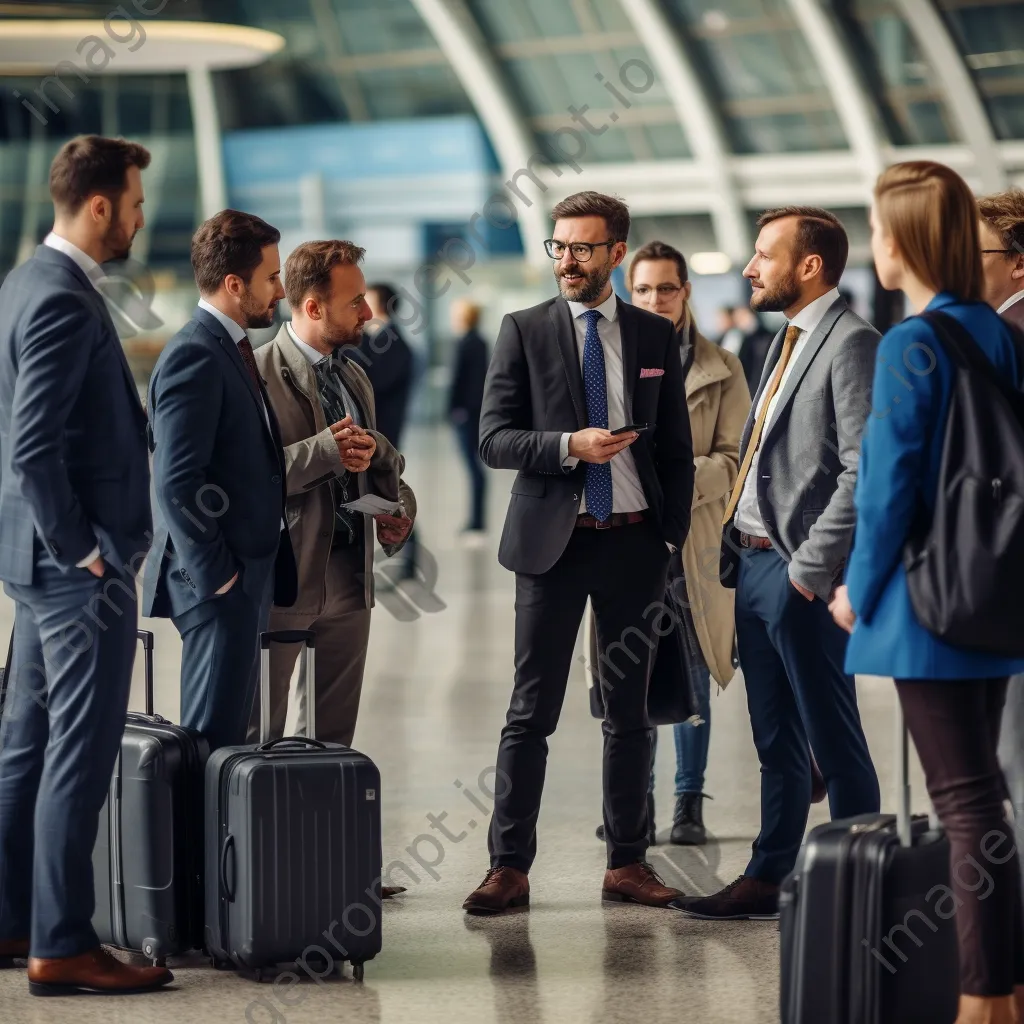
{"type": "Point", "coordinates": [147, 861]}
{"type": "Point", "coordinates": [865, 936]}
{"type": "Point", "coordinates": [293, 845]}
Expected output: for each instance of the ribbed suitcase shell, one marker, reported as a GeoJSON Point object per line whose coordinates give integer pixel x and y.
{"type": "Point", "coordinates": [147, 861]}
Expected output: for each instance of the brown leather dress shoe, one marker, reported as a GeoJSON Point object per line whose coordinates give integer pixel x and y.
{"type": "Point", "coordinates": [746, 899]}
{"type": "Point", "coordinates": [388, 892]}
{"type": "Point", "coordinates": [638, 883]}
{"type": "Point", "coordinates": [12, 950]}
{"type": "Point", "coordinates": [95, 971]}
{"type": "Point", "coordinates": [502, 889]}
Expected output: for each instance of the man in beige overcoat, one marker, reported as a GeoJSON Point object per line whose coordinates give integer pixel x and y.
{"type": "Point", "coordinates": [333, 455]}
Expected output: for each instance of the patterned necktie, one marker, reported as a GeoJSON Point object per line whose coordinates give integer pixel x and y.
{"type": "Point", "coordinates": [792, 334]}
{"type": "Point", "coordinates": [598, 481]}
{"type": "Point", "coordinates": [246, 352]}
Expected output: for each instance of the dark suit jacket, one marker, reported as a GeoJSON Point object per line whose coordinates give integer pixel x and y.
{"type": "Point", "coordinates": [1015, 314]}
{"type": "Point", "coordinates": [75, 469]}
{"type": "Point", "coordinates": [534, 394]}
{"type": "Point", "coordinates": [388, 362]}
{"type": "Point", "coordinates": [467, 391]}
{"type": "Point", "coordinates": [218, 476]}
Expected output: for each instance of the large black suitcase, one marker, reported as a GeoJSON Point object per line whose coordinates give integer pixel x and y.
{"type": "Point", "coordinates": [293, 846]}
{"type": "Point", "coordinates": [866, 916]}
{"type": "Point", "coordinates": [147, 861]}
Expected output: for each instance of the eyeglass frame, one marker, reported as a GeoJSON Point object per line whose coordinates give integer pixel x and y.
{"type": "Point", "coordinates": [548, 242]}
{"type": "Point", "coordinates": [1004, 252]}
{"type": "Point", "coordinates": [671, 289]}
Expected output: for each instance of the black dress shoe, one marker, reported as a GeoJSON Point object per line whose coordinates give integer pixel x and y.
{"type": "Point", "coordinates": [688, 821]}
{"type": "Point", "coordinates": [652, 829]}
{"type": "Point", "coordinates": [746, 899]}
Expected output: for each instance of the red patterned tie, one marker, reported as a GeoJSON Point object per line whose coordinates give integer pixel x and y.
{"type": "Point", "coordinates": [249, 358]}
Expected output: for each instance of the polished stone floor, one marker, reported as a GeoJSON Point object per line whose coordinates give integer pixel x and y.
{"type": "Point", "coordinates": [437, 686]}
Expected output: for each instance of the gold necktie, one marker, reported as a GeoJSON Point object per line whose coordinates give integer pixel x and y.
{"type": "Point", "coordinates": [792, 333]}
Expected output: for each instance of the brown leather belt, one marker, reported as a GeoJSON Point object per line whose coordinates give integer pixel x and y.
{"type": "Point", "coordinates": [758, 543]}
{"type": "Point", "coordinates": [615, 519]}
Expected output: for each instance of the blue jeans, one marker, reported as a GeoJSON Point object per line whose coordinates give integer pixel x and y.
{"type": "Point", "coordinates": [692, 741]}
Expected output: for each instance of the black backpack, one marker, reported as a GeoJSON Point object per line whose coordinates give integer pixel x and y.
{"type": "Point", "coordinates": [964, 568]}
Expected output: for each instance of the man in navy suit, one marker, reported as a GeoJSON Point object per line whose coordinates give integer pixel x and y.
{"type": "Point", "coordinates": [74, 529]}
{"type": "Point", "coordinates": [221, 554]}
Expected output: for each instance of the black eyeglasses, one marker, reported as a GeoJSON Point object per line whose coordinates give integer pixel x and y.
{"type": "Point", "coordinates": [1005, 252]}
{"type": "Point", "coordinates": [581, 251]}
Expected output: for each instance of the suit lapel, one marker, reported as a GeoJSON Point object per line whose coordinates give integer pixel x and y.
{"type": "Point", "coordinates": [630, 360]}
{"type": "Point", "coordinates": [565, 333]}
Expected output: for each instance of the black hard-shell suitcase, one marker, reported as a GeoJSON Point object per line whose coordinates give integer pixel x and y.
{"type": "Point", "coordinates": [147, 861]}
{"type": "Point", "coordinates": [293, 846]}
{"type": "Point", "coordinates": [866, 916]}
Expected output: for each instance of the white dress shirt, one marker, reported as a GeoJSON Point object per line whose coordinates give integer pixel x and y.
{"type": "Point", "coordinates": [627, 493]}
{"type": "Point", "coordinates": [93, 271]}
{"type": "Point", "coordinates": [748, 514]}
{"type": "Point", "coordinates": [313, 357]}
{"type": "Point", "coordinates": [1012, 300]}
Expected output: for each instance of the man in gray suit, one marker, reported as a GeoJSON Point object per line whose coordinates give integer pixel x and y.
{"type": "Point", "coordinates": [74, 528]}
{"type": "Point", "coordinates": [788, 529]}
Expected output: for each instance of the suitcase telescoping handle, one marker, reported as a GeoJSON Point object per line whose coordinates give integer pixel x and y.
{"type": "Point", "coordinates": [146, 639]}
{"type": "Point", "coordinates": [903, 817]}
{"type": "Point", "coordinates": [288, 636]}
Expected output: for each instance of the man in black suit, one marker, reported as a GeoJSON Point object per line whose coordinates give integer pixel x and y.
{"type": "Point", "coordinates": [74, 529]}
{"type": "Point", "coordinates": [386, 357]}
{"type": "Point", "coordinates": [593, 514]}
{"type": "Point", "coordinates": [221, 553]}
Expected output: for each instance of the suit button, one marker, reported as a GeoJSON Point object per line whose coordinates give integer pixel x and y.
{"type": "Point", "coordinates": [275, 479]}
{"type": "Point", "coordinates": [575, 497]}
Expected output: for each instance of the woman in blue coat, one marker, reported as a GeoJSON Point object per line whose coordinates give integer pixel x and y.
{"type": "Point", "coordinates": [925, 242]}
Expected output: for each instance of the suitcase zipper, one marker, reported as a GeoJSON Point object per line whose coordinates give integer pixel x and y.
{"type": "Point", "coordinates": [119, 921]}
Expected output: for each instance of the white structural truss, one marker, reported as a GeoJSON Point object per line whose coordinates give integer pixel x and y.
{"type": "Point", "coordinates": [699, 122]}
{"type": "Point", "coordinates": [466, 49]}
{"type": "Point", "coordinates": [959, 90]}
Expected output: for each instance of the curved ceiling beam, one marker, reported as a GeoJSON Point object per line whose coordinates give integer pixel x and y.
{"type": "Point", "coordinates": [958, 90]}
{"type": "Point", "coordinates": [471, 59]}
{"type": "Point", "coordinates": [851, 101]}
{"type": "Point", "coordinates": [698, 120]}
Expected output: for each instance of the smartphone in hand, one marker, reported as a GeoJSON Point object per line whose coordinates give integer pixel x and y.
{"type": "Point", "coordinates": [632, 428]}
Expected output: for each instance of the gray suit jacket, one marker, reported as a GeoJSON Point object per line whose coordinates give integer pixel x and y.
{"type": "Point", "coordinates": [807, 467]}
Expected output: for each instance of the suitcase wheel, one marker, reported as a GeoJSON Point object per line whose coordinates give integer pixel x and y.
{"type": "Point", "coordinates": [357, 972]}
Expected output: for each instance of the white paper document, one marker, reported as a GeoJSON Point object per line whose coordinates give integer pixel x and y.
{"type": "Point", "coordinates": [374, 505]}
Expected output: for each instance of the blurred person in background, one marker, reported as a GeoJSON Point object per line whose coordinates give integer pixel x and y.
{"type": "Point", "coordinates": [464, 403]}
{"type": "Point", "coordinates": [1001, 230]}
{"type": "Point", "coordinates": [757, 340]}
{"type": "Point", "coordinates": [925, 241]}
{"type": "Point", "coordinates": [731, 335]}
{"type": "Point", "coordinates": [718, 401]}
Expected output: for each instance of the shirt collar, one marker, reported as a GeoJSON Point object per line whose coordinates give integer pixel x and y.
{"type": "Point", "coordinates": [235, 331]}
{"type": "Point", "coordinates": [814, 312]}
{"type": "Point", "coordinates": [313, 357]}
{"type": "Point", "coordinates": [1011, 301]}
{"type": "Point", "coordinates": [83, 260]}
{"type": "Point", "coordinates": [609, 309]}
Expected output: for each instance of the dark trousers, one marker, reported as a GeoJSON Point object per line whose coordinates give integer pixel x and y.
{"type": "Point", "coordinates": [74, 645]}
{"type": "Point", "coordinates": [955, 728]}
{"type": "Point", "coordinates": [623, 570]}
{"type": "Point", "coordinates": [792, 655]}
{"type": "Point", "coordinates": [220, 662]}
{"type": "Point", "coordinates": [469, 443]}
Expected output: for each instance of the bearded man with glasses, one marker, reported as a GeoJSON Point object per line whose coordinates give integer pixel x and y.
{"type": "Point", "coordinates": [593, 514]}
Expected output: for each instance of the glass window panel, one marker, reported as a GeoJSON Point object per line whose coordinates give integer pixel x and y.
{"type": "Point", "coordinates": [610, 16]}
{"type": "Point", "coordinates": [991, 38]}
{"type": "Point", "coordinates": [667, 142]}
{"type": "Point", "coordinates": [429, 91]}
{"type": "Point", "coordinates": [512, 21]}
{"type": "Point", "coordinates": [275, 94]}
{"type": "Point", "coordinates": [380, 26]}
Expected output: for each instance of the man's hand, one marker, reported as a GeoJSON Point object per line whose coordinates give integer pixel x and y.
{"type": "Point", "coordinates": [598, 445]}
{"type": "Point", "coordinates": [841, 609]}
{"type": "Point", "coordinates": [802, 591]}
{"type": "Point", "coordinates": [355, 445]}
{"type": "Point", "coordinates": [97, 567]}
{"type": "Point", "coordinates": [392, 530]}
{"type": "Point", "coordinates": [227, 586]}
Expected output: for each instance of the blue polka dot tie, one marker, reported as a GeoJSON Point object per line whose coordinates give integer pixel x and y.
{"type": "Point", "coordinates": [599, 477]}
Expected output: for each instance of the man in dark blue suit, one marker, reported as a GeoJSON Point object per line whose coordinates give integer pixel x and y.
{"type": "Point", "coordinates": [74, 529]}
{"type": "Point", "coordinates": [221, 554]}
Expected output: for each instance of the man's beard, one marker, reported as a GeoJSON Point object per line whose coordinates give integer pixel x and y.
{"type": "Point", "coordinates": [256, 315]}
{"type": "Point", "coordinates": [589, 288]}
{"type": "Point", "coordinates": [117, 243]}
{"type": "Point", "coordinates": [339, 337]}
{"type": "Point", "coordinates": [777, 299]}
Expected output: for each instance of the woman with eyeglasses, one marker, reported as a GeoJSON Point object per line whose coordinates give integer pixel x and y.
{"type": "Point", "coordinates": [718, 400]}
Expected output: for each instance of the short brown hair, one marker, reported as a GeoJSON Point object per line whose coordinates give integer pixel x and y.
{"type": "Point", "coordinates": [932, 216]}
{"type": "Point", "coordinates": [1005, 213]}
{"type": "Point", "coordinates": [594, 204]}
{"type": "Point", "coordinates": [230, 242]}
{"type": "Point", "coordinates": [92, 164]}
{"type": "Point", "coordinates": [658, 251]}
{"type": "Point", "coordinates": [819, 233]}
{"type": "Point", "coordinates": [308, 267]}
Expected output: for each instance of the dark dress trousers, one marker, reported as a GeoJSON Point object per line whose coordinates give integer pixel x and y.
{"type": "Point", "coordinates": [74, 474]}
{"type": "Point", "coordinates": [534, 394]}
{"type": "Point", "coordinates": [464, 402]}
{"type": "Point", "coordinates": [219, 495]}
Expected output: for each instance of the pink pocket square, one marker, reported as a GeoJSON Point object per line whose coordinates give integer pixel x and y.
{"type": "Point", "coordinates": [651, 371]}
